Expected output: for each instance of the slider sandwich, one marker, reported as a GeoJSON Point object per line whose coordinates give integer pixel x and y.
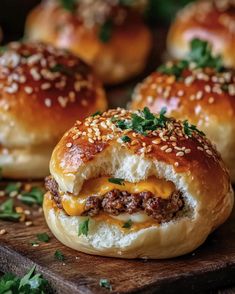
{"type": "Point", "coordinates": [133, 184]}
{"type": "Point", "coordinates": [110, 35]}
{"type": "Point", "coordinates": [209, 20]}
{"type": "Point", "coordinates": [198, 89]}
{"type": "Point", "coordinates": [43, 90]}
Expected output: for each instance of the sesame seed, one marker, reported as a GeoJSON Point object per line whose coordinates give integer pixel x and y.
{"type": "Point", "coordinates": [45, 86]}
{"type": "Point", "coordinates": [187, 150]}
{"type": "Point", "coordinates": [209, 152]}
{"type": "Point", "coordinates": [156, 141]}
{"type": "Point", "coordinates": [189, 80]}
{"type": "Point", "coordinates": [2, 231]}
{"type": "Point", "coordinates": [199, 95]}
{"type": "Point", "coordinates": [48, 102]}
{"type": "Point", "coordinates": [176, 163]}
{"type": "Point", "coordinates": [180, 153]}
{"type": "Point", "coordinates": [211, 100]}
{"type": "Point", "coordinates": [12, 89]}
{"type": "Point", "coordinates": [28, 90]}
{"type": "Point", "coordinates": [200, 148]}
{"type": "Point", "coordinates": [91, 140]}
{"type": "Point", "coordinates": [28, 223]}
{"type": "Point", "coordinates": [69, 145]}
{"type": "Point", "coordinates": [164, 147]}
{"type": "Point", "coordinates": [168, 150]}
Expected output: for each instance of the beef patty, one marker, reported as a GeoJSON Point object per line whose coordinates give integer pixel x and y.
{"type": "Point", "coordinates": [116, 202]}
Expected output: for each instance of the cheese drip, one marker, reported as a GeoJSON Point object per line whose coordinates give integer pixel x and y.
{"type": "Point", "coordinates": [74, 205]}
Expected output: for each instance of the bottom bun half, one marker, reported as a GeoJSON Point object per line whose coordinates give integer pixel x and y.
{"type": "Point", "coordinates": [25, 163]}
{"type": "Point", "coordinates": [167, 240]}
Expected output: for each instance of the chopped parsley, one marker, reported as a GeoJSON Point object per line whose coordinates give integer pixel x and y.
{"type": "Point", "coordinates": [224, 87]}
{"type": "Point", "coordinates": [189, 129]}
{"type": "Point", "coordinates": [12, 187]}
{"type": "Point", "coordinates": [43, 237]}
{"type": "Point", "coordinates": [68, 4]}
{"type": "Point", "coordinates": [128, 224]}
{"type": "Point", "coordinates": [96, 113]}
{"type": "Point", "coordinates": [59, 255]}
{"type": "Point", "coordinates": [35, 196]}
{"type": "Point", "coordinates": [105, 283]}
{"type": "Point", "coordinates": [83, 227]}
{"type": "Point", "coordinates": [126, 139]}
{"type": "Point", "coordinates": [105, 32]}
{"type": "Point", "coordinates": [7, 211]}
{"type": "Point", "coordinates": [175, 69]}
{"type": "Point", "coordinates": [30, 283]}
{"type": "Point", "coordinates": [116, 181]}
{"type": "Point", "coordinates": [200, 54]}
{"type": "Point", "coordinates": [144, 121]}
{"type": "Point", "coordinates": [62, 69]}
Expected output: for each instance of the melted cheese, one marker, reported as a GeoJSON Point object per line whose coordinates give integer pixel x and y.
{"type": "Point", "coordinates": [74, 205]}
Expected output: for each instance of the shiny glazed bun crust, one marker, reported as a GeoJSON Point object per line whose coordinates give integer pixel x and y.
{"type": "Point", "coordinates": [96, 147]}
{"type": "Point", "coordinates": [43, 91]}
{"type": "Point", "coordinates": [116, 51]}
{"type": "Point", "coordinates": [213, 21]}
{"type": "Point", "coordinates": [202, 96]}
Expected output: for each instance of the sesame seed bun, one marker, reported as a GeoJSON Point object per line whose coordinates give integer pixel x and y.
{"type": "Point", "coordinates": [202, 96]}
{"type": "Point", "coordinates": [95, 148]}
{"type": "Point", "coordinates": [113, 59]}
{"type": "Point", "coordinates": [43, 91]}
{"type": "Point", "coordinates": [212, 21]}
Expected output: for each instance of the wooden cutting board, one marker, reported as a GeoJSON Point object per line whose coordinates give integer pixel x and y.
{"type": "Point", "coordinates": [209, 267]}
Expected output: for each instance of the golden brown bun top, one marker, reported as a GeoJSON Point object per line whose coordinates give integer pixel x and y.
{"type": "Point", "coordinates": [197, 93]}
{"type": "Point", "coordinates": [175, 143]}
{"type": "Point", "coordinates": [97, 12]}
{"type": "Point", "coordinates": [209, 15]}
{"type": "Point", "coordinates": [44, 90]}
{"type": "Point", "coordinates": [213, 21]}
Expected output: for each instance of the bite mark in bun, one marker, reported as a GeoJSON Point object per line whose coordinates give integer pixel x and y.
{"type": "Point", "coordinates": [157, 194]}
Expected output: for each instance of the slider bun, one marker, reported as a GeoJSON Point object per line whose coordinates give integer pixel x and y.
{"type": "Point", "coordinates": [200, 175]}
{"type": "Point", "coordinates": [114, 61]}
{"type": "Point", "coordinates": [199, 97]}
{"type": "Point", "coordinates": [43, 91]}
{"type": "Point", "coordinates": [212, 21]}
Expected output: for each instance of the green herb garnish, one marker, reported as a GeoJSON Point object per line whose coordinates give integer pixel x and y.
{"type": "Point", "coordinates": [3, 49]}
{"type": "Point", "coordinates": [7, 211]}
{"type": "Point", "coordinates": [68, 4]}
{"type": "Point", "coordinates": [105, 32]}
{"type": "Point", "coordinates": [144, 121]}
{"type": "Point", "coordinates": [189, 129]}
{"type": "Point", "coordinates": [224, 87]}
{"type": "Point", "coordinates": [62, 69]}
{"type": "Point", "coordinates": [175, 69]}
{"type": "Point", "coordinates": [200, 55]}
{"type": "Point", "coordinates": [96, 113]}
{"type": "Point", "coordinates": [126, 139]}
{"type": "Point", "coordinates": [116, 181]}
{"type": "Point", "coordinates": [35, 196]}
{"type": "Point", "coordinates": [12, 187]}
{"type": "Point", "coordinates": [105, 283]}
{"type": "Point", "coordinates": [43, 237]}
{"type": "Point", "coordinates": [83, 227]}
{"type": "Point", "coordinates": [30, 283]}
{"type": "Point", "coordinates": [128, 224]}
{"type": "Point", "coordinates": [59, 255]}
